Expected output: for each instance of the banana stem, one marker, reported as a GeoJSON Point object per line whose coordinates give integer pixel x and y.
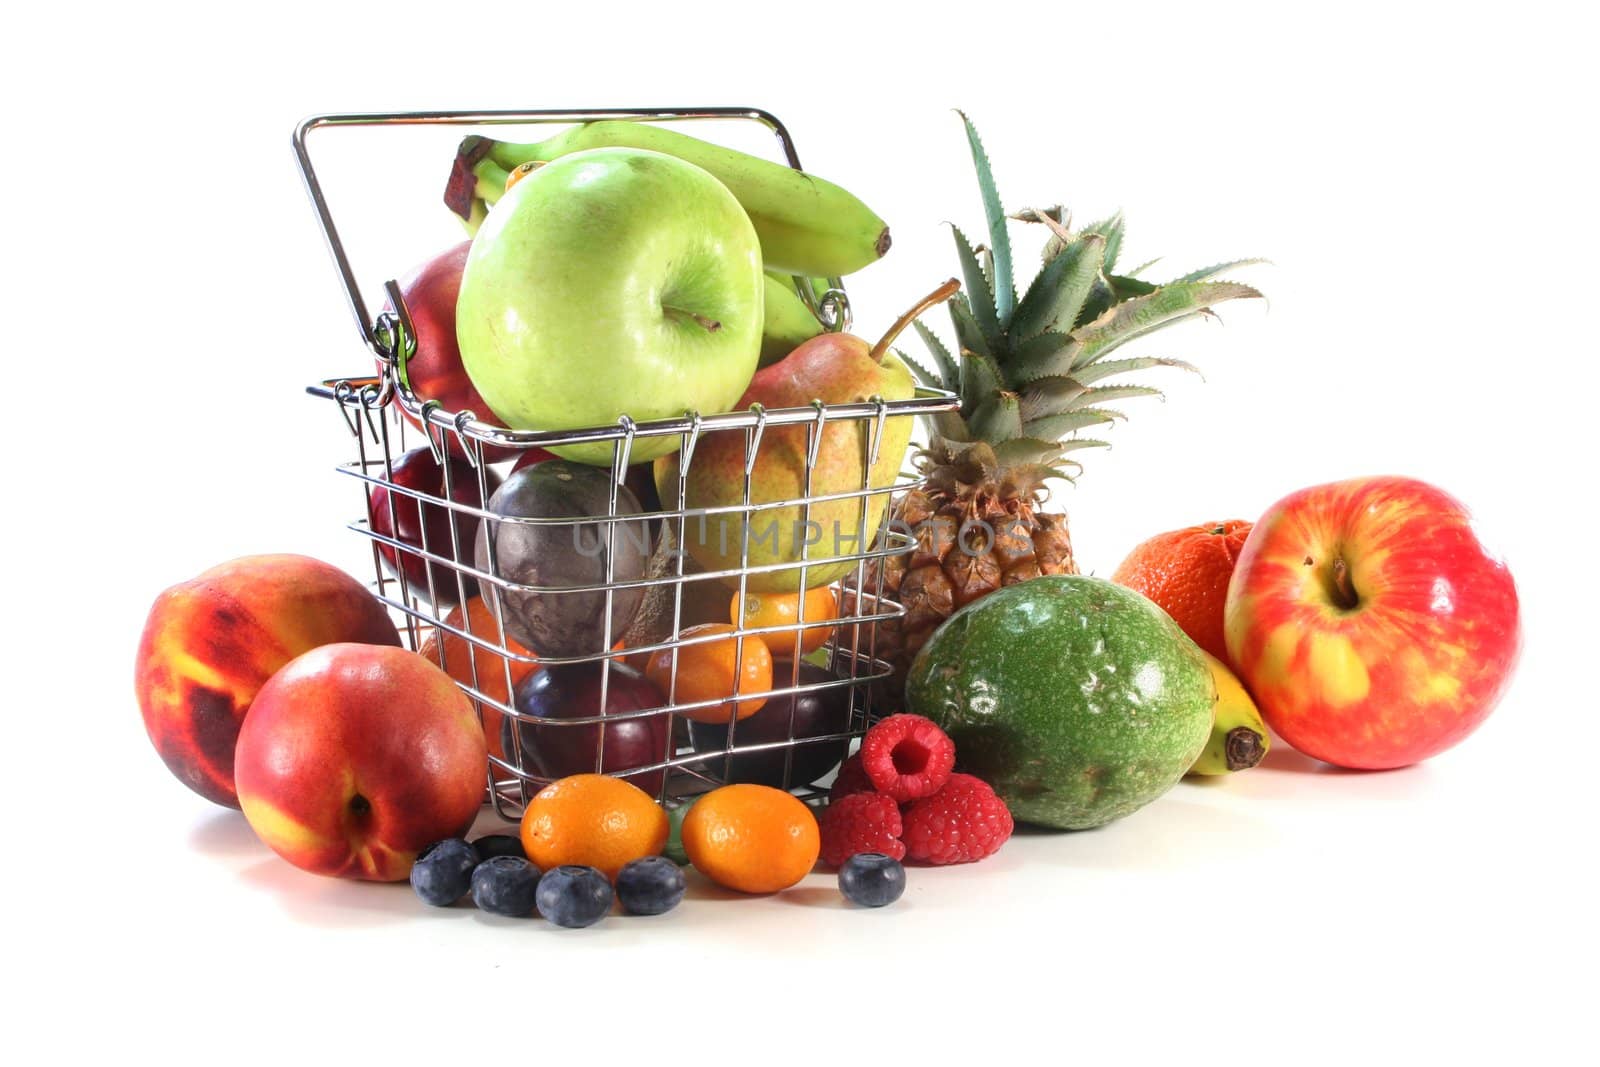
{"type": "Point", "coordinates": [938, 296]}
{"type": "Point", "coordinates": [1242, 748]}
{"type": "Point", "coordinates": [461, 191]}
{"type": "Point", "coordinates": [492, 178]}
{"type": "Point", "coordinates": [481, 167]}
{"type": "Point", "coordinates": [510, 155]}
{"type": "Point", "coordinates": [475, 216]}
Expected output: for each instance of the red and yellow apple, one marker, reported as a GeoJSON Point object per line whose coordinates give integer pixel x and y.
{"type": "Point", "coordinates": [357, 757]}
{"type": "Point", "coordinates": [1372, 627]}
{"type": "Point", "coordinates": [210, 644]}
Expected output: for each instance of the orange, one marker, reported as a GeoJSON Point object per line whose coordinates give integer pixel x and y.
{"type": "Point", "coordinates": [460, 656]}
{"type": "Point", "coordinates": [1186, 572]}
{"type": "Point", "coordinates": [592, 820]}
{"type": "Point", "coordinates": [708, 672]}
{"type": "Point", "coordinates": [785, 609]}
{"type": "Point", "coordinates": [752, 838]}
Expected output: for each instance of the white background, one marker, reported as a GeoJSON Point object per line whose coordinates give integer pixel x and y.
{"type": "Point", "coordinates": [1421, 179]}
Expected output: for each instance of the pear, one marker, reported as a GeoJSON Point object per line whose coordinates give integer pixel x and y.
{"type": "Point", "coordinates": [835, 368]}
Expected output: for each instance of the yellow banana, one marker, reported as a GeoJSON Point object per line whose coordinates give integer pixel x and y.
{"type": "Point", "coordinates": [807, 226]}
{"type": "Point", "coordinates": [1238, 736]}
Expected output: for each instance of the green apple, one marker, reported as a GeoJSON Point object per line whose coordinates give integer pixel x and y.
{"type": "Point", "coordinates": [611, 282]}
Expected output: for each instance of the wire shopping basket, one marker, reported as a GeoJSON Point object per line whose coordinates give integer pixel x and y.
{"type": "Point", "coordinates": [618, 604]}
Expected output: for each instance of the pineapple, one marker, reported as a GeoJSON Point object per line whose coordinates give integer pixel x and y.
{"type": "Point", "coordinates": [1031, 374]}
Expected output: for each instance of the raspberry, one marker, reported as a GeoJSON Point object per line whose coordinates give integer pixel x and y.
{"type": "Point", "coordinates": [960, 823]}
{"type": "Point", "coordinates": [861, 822]}
{"type": "Point", "coordinates": [907, 757]}
{"type": "Point", "coordinates": [852, 779]}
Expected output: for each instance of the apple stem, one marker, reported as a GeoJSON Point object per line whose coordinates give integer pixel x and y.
{"type": "Point", "coordinates": [939, 295]}
{"type": "Point", "coordinates": [707, 324]}
{"type": "Point", "coordinates": [1344, 588]}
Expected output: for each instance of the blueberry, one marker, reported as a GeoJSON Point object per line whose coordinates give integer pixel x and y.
{"type": "Point", "coordinates": [491, 845]}
{"type": "Point", "coordinates": [443, 873]}
{"type": "Point", "coordinates": [574, 896]}
{"type": "Point", "coordinates": [504, 885]}
{"type": "Point", "coordinates": [650, 886]}
{"type": "Point", "coordinates": [872, 879]}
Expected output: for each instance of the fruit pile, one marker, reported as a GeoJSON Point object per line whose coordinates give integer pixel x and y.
{"type": "Point", "coordinates": [592, 650]}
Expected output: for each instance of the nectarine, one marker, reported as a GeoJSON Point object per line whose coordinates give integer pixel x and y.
{"type": "Point", "coordinates": [356, 757]}
{"type": "Point", "coordinates": [210, 643]}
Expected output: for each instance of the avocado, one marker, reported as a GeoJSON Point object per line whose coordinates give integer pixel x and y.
{"type": "Point", "coordinates": [1078, 700]}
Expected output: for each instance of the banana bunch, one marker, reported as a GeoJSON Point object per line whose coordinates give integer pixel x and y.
{"type": "Point", "coordinates": [1238, 736]}
{"type": "Point", "coordinates": [808, 227]}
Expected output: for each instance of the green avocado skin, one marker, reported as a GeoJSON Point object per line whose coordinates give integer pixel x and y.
{"type": "Point", "coordinates": [1079, 701]}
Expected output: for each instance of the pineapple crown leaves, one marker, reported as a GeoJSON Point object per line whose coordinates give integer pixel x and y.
{"type": "Point", "coordinates": [1112, 229]}
{"type": "Point", "coordinates": [1061, 290]}
{"type": "Point", "coordinates": [999, 239]}
{"type": "Point", "coordinates": [1207, 273]}
{"type": "Point", "coordinates": [1139, 315]}
{"type": "Point", "coordinates": [981, 298]}
{"type": "Point", "coordinates": [1147, 264]}
{"type": "Point", "coordinates": [947, 365]}
{"type": "Point", "coordinates": [1035, 370]}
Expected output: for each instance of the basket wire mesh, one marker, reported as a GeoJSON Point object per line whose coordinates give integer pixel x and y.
{"type": "Point", "coordinates": [422, 580]}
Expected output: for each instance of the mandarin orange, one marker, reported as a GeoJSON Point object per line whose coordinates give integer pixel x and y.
{"type": "Point", "coordinates": [752, 838]}
{"type": "Point", "coordinates": [788, 609]}
{"type": "Point", "coordinates": [592, 820]}
{"type": "Point", "coordinates": [1186, 573]}
{"type": "Point", "coordinates": [715, 670]}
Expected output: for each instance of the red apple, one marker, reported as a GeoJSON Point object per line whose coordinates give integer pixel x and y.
{"type": "Point", "coordinates": [355, 758]}
{"type": "Point", "coordinates": [434, 370]}
{"type": "Point", "coordinates": [411, 522]}
{"type": "Point", "coordinates": [211, 643]}
{"type": "Point", "coordinates": [1370, 624]}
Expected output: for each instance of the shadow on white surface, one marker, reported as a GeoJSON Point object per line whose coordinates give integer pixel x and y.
{"type": "Point", "coordinates": [1280, 757]}
{"type": "Point", "coordinates": [816, 896]}
{"type": "Point", "coordinates": [224, 833]}
{"type": "Point", "coordinates": [702, 888]}
{"type": "Point", "coordinates": [1170, 833]}
{"type": "Point", "coordinates": [336, 902]}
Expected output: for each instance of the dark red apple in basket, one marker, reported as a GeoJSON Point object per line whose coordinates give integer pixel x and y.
{"type": "Point", "coordinates": [408, 520]}
{"type": "Point", "coordinates": [572, 691]}
{"type": "Point", "coordinates": [434, 370]}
